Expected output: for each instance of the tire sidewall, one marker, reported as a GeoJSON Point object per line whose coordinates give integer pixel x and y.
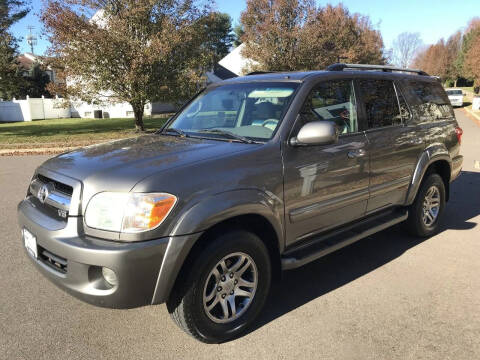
{"type": "Point", "coordinates": [422, 229]}
{"type": "Point", "coordinates": [235, 241]}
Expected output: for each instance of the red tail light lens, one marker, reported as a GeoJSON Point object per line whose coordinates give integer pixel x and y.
{"type": "Point", "coordinates": [459, 133]}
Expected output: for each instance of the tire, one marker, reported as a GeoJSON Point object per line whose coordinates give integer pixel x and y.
{"type": "Point", "coordinates": [190, 299]}
{"type": "Point", "coordinates": [419, 223]}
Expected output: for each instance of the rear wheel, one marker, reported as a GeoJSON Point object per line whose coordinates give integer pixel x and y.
{"type": "Point", "coordinates": [426, 212]}
{"type": "Point", "coordinates": [225, 288]}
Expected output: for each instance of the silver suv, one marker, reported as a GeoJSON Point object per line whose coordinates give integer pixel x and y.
{"type": "Point", "coordinates": [254, 175]}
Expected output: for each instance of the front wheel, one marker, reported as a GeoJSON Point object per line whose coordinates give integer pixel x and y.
{"type": "Point", "coordinates": [426, 211]}
{"type": "Point", "coordinates": [225, 289]}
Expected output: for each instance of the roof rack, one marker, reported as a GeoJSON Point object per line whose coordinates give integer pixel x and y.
{"type": "Point", "coordinates": [385, 68]}
{"type": "Point", "coordinates": [259, 72]}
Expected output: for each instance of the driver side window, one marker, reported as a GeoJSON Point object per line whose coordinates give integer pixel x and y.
{"type": "Point", "coordinates": [333, 101]}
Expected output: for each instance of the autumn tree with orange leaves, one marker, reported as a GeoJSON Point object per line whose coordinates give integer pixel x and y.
{"type": "Point", "coordinates": [298, 35]}
{"type": "Point", "coordinates": [458, 57]}
{"type": "Point", "coordinates": [132, 51]}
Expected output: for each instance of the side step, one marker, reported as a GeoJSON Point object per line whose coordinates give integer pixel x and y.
{"type": "Point", "coordinates": [337, 239]}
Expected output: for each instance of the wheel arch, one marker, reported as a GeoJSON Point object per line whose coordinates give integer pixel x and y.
{"type": "Point", "coordinates": [217, 217]}
{"type": "Point", "coordinates": [435, 159]}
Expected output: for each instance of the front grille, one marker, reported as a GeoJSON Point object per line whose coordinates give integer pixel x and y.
{"type": "Point", "coordinates": [53, 261]}
{"type": "Point", "coordinates": [51, 195]}
{"type": "Point", "coordinates": [66, 189]}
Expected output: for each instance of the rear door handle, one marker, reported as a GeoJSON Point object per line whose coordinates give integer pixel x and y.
{"type": "Point", "coordinates": [352, 154]}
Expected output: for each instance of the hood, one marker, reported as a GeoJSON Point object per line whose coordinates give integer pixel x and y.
{"type": "Point", "coordinates": [119, 165]}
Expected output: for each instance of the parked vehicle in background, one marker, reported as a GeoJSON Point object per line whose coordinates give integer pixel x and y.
{"type": "Point", "coordinates": [455, 96]}
{"type": "Point", "coordinates": [255, 175]}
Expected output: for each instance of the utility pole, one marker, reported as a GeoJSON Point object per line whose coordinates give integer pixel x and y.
{"type": "Point", "coordinates": [31, 39]}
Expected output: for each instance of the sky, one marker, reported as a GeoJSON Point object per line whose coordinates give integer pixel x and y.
{"type": "Point", "coordinates": [433, 19]}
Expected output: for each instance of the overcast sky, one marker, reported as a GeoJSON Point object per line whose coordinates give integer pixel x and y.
{"type": "Point", "coordinates": [433, 19]}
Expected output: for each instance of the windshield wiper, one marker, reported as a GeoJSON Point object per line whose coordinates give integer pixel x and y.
{"type": "Point", "coordinates": [227, 133]}
{"type": "Point", "coordinates": [176, 131]}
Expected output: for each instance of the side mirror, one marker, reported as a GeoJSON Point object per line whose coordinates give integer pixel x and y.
{"type": "Point", "coordinates": [316, 133]}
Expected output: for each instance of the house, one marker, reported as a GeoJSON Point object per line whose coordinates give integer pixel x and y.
{"type": "Point", "coordinates": [236, 63]}
{"type": "Point", "coordinates": [27, 60]}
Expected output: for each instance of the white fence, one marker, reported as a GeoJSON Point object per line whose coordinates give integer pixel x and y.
{"type": "Point", "coordinates": [33, 109]}
{"type": "Point", "coordinates": [118, 110]}
{"type": "Point", "coordinates": [41, 108]}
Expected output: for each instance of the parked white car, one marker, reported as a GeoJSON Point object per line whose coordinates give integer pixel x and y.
{"type": "Point", "coordinates": [455, 96]}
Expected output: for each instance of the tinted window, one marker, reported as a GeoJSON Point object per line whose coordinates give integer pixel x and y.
{"type": "Point", "coordinates": [333, 101]}
{"type": "Point", "coordinates": [454, 92]}
{"type": "Point", "coordinates": [381, 104]}
{"type": "Point", "coordinates": [428, 101]}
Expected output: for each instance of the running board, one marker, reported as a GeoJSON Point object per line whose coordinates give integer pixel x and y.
{"type": "Point", "coordinates": [335, 240]}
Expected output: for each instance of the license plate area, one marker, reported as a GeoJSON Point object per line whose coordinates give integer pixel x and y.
{"type": "Point", "coordinates": [30, 242]}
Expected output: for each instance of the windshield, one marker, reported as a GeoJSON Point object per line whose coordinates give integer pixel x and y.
{"type": "Point", "coordinates": [454, 92]}
{"type": "Point", "coordinates": [236, 111]}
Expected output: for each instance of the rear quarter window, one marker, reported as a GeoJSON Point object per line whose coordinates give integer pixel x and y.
{"type": "Point", "coordinates": [428, 101]}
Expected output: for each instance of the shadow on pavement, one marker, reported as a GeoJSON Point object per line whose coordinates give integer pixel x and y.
{"type": "Point", "coordinates": [302, 285]}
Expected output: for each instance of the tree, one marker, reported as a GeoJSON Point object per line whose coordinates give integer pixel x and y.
{"type": "Point", "coordinates": [35, 83]}
{"type": "Point", "coordinates": [238, 34]}
{"type": "Point", "coordinates": [132, 51]}
{"type": "Point", "coordinates": [10, 12]}
{"type": "Point", "coordinates": [453, 47]}
{"type": "Point", "coordinates": [434, 60]}
{"type": "Point", "coordinates": [298, 35]}
{"type": "Point", "coordinates": [218, 28]}
{"type": "Point", "coordinates": [405, 47]}
{"type": "Point", "coordinates": [472, 61]}
{"type": "Point", "coordinates": [472, 33]}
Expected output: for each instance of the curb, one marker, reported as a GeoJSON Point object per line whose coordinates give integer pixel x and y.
{"type": "Point", "coordinates": [44, 151]}
{"type": "Point", "coordinates": [470, 112]}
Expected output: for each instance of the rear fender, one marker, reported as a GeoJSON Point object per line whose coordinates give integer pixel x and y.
{"type": "Point", "coordinates": [433, 153]}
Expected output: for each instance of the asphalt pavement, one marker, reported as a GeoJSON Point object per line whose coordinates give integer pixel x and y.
{"type": "Point", "coordinates": [386, 297]}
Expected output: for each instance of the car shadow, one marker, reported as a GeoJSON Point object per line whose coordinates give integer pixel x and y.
{"type": "Point", "coordinates": [300, 286]}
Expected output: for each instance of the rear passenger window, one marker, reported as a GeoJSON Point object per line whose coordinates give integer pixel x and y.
{"type": "Point", "coordinates": [428, 101]}
{"type": "Point", "coordinates": [381, 103]}
{"type": "Point", "coordinates": [333, 101]}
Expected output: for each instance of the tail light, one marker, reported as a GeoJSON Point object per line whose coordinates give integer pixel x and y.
{"type": "Point", "coordinates": [459, 133]}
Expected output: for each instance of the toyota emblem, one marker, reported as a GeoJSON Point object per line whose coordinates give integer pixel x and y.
{"type": "Point", "coordinates": [44, 191]}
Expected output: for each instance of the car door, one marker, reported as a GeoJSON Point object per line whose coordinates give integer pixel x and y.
{"type": "Point", "coordinates": [394, 144]}
{"type": "Point", "coordinates": [326, 186]}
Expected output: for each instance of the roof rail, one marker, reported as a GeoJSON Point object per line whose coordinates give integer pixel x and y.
{"type": "Point", "coordinates": [385, 68]}
{"type": "Point", "coordinates": [259, 72]}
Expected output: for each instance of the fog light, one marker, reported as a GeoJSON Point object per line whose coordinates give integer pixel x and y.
{"type": "Point", "coordinates": [109, 276]}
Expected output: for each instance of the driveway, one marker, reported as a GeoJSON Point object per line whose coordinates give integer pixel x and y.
{"type": "Point", "coordinates": [386, 297]}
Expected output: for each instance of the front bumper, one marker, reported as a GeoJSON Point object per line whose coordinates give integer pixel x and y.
{"type": "Point", "coordinates": [139, 266]}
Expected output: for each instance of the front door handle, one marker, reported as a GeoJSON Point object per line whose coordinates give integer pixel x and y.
{"type": "Point", "coordinates": [352, 154]}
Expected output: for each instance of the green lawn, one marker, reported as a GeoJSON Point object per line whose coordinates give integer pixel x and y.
{"type": "Point", "coordinates": [70, 132]}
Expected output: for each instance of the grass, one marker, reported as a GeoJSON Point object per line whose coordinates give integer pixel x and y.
{"type": "Point", "coordinates": [71, 132]}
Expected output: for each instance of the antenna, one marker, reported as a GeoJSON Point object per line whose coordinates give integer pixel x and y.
{"type": "Point", "coordinates": [31, 39]}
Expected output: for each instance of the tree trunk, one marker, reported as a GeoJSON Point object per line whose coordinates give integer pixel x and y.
{"type": "Point", "coordinates": [138, 113]}
{"type": "Point", "coordinates": [455, 83]}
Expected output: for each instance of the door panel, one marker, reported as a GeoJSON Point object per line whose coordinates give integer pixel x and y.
{"type": "Point", "coordinates": [393, 146]}
{"type": "Point", "coordinates": [324, 186]}
{"type": "Point", "coordinates": [393, 154]}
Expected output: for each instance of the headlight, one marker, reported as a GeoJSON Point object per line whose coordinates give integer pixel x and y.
{"type": "Point", "coordinates": [128, 212]}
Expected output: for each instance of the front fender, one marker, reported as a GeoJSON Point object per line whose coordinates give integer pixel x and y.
{"type": "Point", "coordinates": [205, 214]}
{"type": "Point", "coordinates": [433, 153]}
{"type": "Point", "coordinates": [226, 205]}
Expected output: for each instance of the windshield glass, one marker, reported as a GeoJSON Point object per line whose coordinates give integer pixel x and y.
{"type": "Point", "coordinates": [454, 92]}
{"type": "Point", "coordinates": [250, 111]}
